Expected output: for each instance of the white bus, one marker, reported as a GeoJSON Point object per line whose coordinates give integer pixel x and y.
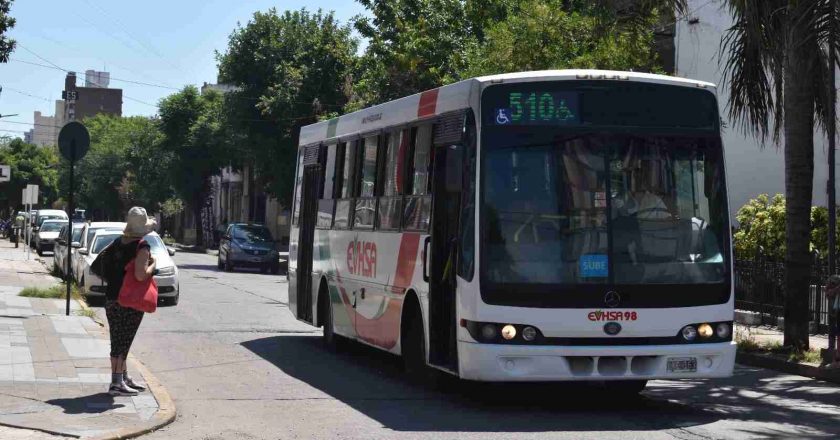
{"type": "Point", "coordinates": [538, 226]}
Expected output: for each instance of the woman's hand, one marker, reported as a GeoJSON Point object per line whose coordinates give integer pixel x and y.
{"type": "Point", "coordinates": [144, 266]}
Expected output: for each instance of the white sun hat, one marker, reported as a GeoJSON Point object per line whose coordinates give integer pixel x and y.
{"type": "Point", "coordinates": [138, 223]}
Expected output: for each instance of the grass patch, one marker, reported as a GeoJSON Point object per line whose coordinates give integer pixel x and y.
{"type": "Point", "coordinates": [55, 292]}
{"type": "Point", "coordinates": [169, 241]}
{"type": "Point", "coordinates": [747, 343]}
{"type": "Point", "coordinates": [86, 312]}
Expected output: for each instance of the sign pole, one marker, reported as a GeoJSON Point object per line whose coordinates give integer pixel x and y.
{"type": "Point", "coordinates": [73, 143]}
{"type": "Point", "coordinates": [70, 223]}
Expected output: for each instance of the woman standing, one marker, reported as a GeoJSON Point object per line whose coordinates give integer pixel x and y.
{"type": "Point", "coordinates": [123, 321]}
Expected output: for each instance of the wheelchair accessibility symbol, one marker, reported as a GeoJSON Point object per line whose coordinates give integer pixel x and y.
{"type": "Point", "coordinates": [503, 116]}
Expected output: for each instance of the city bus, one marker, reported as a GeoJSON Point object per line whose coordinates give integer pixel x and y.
{"type": "Point", "coordinates": [566, 225]}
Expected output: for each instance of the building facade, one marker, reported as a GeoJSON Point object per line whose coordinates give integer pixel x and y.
{"type": "Point", "coordinates": [84, 102]}
{"type": "Point", "coordinates": [753, 167]}
{"type": "Point", "coordinates": [45, 131]}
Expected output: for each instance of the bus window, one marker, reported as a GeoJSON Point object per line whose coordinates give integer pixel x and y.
{"type": "Point", "coordinates": [345, 169]}
{"type": "Point", "coordinates": [366, 203]}
{"type": "Point", "coordinates": [466, 262]}
{"type": "Point", "coordinates": [418, 205]}
{"type": "Point", "coordinates": [390, 204]}
{"type": "Point", "coordinates": [327, 203]}
{"type": "Point", "coordinates": [298, 184]}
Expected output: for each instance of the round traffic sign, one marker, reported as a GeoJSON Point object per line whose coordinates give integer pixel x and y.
{"type": "Point", "coordinates": [73, 141]}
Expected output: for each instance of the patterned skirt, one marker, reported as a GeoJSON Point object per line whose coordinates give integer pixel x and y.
{"type": "Point", "coordinates": [123, 323]}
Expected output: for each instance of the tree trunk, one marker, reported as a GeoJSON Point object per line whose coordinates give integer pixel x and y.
{"type": "Point", "coordinates": [799, 178]}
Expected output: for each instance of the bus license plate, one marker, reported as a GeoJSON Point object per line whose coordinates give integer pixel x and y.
{"type": "Point", "coordinates": [682, 365]}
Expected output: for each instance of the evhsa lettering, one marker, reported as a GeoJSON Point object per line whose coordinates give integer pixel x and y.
{"type": "Point", "coordinates": [361, 258]}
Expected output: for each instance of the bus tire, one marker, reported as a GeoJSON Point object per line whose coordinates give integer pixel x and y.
{"type": "Point", "coordinates": [331, 340]}
{"type": "Point", "coordinates": [414, 348]}
{"type": "Point", "coordinates": [626, 387]}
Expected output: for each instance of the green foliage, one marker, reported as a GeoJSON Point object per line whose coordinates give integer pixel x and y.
{"type": "Point", "coordinates": [541, 34]}
{"type": "Point", "coordinates": [172, 207]}
{"type": "Point", "coordinates": [193, 134]}
{"type": "Point", "coordinates": [762, 229]}
{"type": "Point", "coordinates": [124, 167]}
{"type": "Point", "coordinates": [289, 69]}
{"type": "Point", "coordinates": [53, 292]}
{"type": "Point", "coordinates": [7, 45]}
{"type": "Point", "coordinates": [30, 164]}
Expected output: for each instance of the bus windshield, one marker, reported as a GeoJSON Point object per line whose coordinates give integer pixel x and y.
{"type": "Point", "coordinates": [618, 209]}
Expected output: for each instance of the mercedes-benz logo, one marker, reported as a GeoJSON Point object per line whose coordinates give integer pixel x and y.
{"type": "Point", "coordinates": [612, 299]}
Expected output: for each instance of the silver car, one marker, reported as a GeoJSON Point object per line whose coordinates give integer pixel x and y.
{"type": "Point", "coordinates": [94, 287]}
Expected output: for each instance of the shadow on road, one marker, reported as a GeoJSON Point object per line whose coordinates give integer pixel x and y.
{"type": "Point", "coordinates": [93, 404]}
{"type": "Point", "coordinates": [372, 382]}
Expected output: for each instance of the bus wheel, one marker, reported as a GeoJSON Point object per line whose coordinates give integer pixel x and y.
{"type": "Point", "coordinates": [414, 353]}
{"type": "Point", "coordinates": [332, 341]}
{"type": "Point", "coordinates": [626, 387]}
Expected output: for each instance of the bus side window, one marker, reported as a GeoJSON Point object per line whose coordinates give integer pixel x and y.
{"type": "Point", "coordinates": [418, 204]}
{"type": "Point", "coordinates": [466, 262]}
{"type": "Point", "coordinates": [345, 169]}
{"type": "Point", "coordinates": [366, 202]}
{"type": "Point", "coordinates": [389, 215]}
{"type": "Point", "coordinates": [327, 202]}
{"type": "Point", "coordinates": [298, 184]}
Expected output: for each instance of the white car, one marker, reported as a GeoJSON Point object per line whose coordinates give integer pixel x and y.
{"type": "Point", "coordinates": [63, 246]}
{"type": "Point", "coordinates": [86, 239]}
{"type": "Point", "coordinates": [47, 235]}
{"type": "Point", "coordinates": [166, 279]}
{"type": "Point", "coordinates": [41, 216]}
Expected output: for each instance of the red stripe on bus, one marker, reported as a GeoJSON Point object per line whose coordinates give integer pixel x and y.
{"type": "Point", "coordinates": [428, 103]}
{"type": "Point", "coordinates": [406, 260]}
{"type": "Point", "coordinates": [366, 329]}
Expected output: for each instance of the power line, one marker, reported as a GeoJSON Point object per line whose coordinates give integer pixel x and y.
{"type": "Point", "coordinates": [27, 94]}
{"type": "Point", "coordinates": [112, 78]}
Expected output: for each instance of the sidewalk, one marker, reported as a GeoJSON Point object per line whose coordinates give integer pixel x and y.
{"type": "Point", "coordinates": [54, 369]}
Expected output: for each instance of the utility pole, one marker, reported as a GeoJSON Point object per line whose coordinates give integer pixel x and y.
{"type": "Point", "coordinates": [832, 202]}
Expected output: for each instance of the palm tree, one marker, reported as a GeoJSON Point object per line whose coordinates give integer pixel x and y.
{"type": "Point", "coordinates": [777, 70]}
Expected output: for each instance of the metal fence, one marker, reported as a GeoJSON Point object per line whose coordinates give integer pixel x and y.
{"type": "Point", "coordinates": [760, 288]}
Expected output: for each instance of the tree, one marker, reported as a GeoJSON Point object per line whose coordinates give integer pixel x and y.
{"type": "Point", "coordinates": [195, 137]}
{"type": "Point", "coordinates": [29, 164]}
{"type": "Point", "coordinates": [290, 70]}
{"type": "Point", "coordinates": [125, 166]}
{"type": "Point", "coordinates": [554, 34]}
{"type": "Point", "coordinates": [776, 66]}
{"type": "Point", "coordinates": [7, 45]}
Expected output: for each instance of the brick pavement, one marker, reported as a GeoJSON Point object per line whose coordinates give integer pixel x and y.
{"type": "Point", "coordinates": [54, 369]}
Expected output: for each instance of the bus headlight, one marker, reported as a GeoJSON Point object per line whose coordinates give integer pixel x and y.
{"type": "Point", "coordinates": [488, 332]}
{"type": "Point", "coordinates": [723, 330]}
{"type": "Point", "coordinates": [689, 333]}
{"type": "Point", "coordinates": [705, 331]}
{"type": "Point", "coordinates": [529, 333]}
{"type": "Point", "coordinates": [508, 332]}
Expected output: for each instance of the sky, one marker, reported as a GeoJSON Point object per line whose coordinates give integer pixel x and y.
{"type": "Point", "coordinates": [164, 43]}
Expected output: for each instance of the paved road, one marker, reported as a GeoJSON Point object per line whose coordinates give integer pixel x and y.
{"type": "Point", "coordinates": [240, 367]}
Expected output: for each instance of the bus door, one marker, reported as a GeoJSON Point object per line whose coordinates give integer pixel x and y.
{"type": "Point", "coordinates": [308, 217]}
{"type": "Point", "coordinates": [446, 199]}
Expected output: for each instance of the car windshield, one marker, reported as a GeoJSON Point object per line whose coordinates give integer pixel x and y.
{"type": "Point", "coordinates": [50, 217]}
{"type": "Point", "coordinates": [252, 234]}
{"type": "Point", "coordinates": [92, 231]}
{"type": "Point", "coordinates": [619, 209]}
{"type": "Point", "coordinates": [155, 243]}
{"type": "Point", "coordinates": [51, 226]}
{"type": "Point", "coordinates": [102, 241]}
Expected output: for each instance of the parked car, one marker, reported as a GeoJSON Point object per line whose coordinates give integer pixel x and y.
{"type": "Point", "coordinates": [85, 240]}
{"type": "Point", "coordinates": [41, 216]}
{"type": "Point", "coordinates": [248, 245]}
{"type": "Point", "coordinates": [63, 245]}
{"type": "Point", "coordinates": [47, 234]}
{"type": "Point", "coordinates": [93, 287]}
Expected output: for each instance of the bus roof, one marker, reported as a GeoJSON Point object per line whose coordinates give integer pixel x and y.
{"type": "Point", "coordinates": [457, 96]}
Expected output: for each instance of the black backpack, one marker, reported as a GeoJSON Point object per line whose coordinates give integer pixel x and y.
{"type": "Point", "coordinates": [107, 263]}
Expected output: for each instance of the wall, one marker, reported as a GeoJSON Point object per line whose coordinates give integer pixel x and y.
{"type": "Point", "coordinates": [752, 168]}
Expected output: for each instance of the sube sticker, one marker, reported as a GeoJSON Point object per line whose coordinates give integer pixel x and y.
{"type": "Point", "coordinates": [594, 266]}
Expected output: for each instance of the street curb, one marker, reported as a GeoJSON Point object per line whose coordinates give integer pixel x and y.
{"type": "Point", "coordinates": [165, 414]}
{"type": "Point", "coordinates": [774, 363]}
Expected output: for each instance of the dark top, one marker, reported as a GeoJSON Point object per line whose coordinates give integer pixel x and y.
{"type": "Point", "coordinates": [123, 254]}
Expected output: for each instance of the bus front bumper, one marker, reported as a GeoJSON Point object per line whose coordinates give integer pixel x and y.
{"type": "Point", "coordinates": [520, 363]}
